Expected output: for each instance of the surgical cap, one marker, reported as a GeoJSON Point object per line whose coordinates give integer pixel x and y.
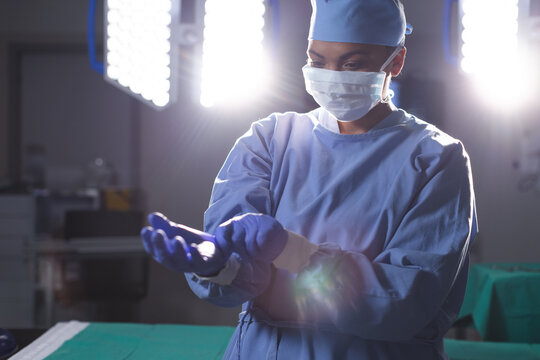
{"type": "Point", "coordinates": [380, 22]}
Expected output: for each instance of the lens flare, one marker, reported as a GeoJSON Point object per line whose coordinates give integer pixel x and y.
{"type": "Point", "coordinates": [318, 292]}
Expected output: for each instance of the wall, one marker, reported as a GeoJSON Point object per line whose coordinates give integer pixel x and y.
{"type": "Point", "coordinates": [33, 22]}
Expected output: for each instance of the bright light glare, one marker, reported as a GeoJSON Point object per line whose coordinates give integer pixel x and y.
{"type": "Point", "coordinates": [491, 53]}
{"type": "Point", "coordinates": [138, 47]}
{"type": "Point", "coordinates": [233, 66]}
{"type": "Point", "coordinates": [509, 87]}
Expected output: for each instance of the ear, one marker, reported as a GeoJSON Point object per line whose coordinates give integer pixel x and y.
{"type": "Point", "coordinates": [398, 62]}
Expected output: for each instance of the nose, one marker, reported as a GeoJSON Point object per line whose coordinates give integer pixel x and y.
{"type": "Point", "coordinates": [332, 66]}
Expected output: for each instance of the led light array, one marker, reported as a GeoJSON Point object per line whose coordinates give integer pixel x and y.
{"type": "Point", "coordinates": [233, 67]}
{"type": "Point", "coordinates": [494, 56]}
{"type": "Point", "coordinates": [138, 47]}
{"type": "Point", "coordinates": [490, 34]}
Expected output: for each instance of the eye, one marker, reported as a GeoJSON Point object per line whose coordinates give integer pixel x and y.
{"type": "Point", "coordinates": [354, 66]}
{"type": "Point", "coordinates": [315, 63]}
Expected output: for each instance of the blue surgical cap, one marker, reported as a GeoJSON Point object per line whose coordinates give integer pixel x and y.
{"type": "Point", "coordinates": [380, 22]}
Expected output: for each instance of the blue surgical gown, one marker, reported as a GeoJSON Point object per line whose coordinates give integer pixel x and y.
{"type": "Point", "coordinates": [392, 211]}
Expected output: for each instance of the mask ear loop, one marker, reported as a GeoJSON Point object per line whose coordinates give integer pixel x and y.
{"type": "Point", "coordinates": [391, 58]}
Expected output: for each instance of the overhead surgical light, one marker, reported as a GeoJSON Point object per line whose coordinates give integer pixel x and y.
{"type": "Point", "coordinates": [144, 41]}
{"type": "Point", "coordinates": [489, 35]}
{"type": "Point", "coordinates": [498, 49]}
{"type": "Point", "coordinates": [494, 49]}
{"type": "Point", "coordinates": [491, 52]}
{"type": "Point", "coordinates": [139, 48]}
{"type": "Point", "coordinates": [233, 62]}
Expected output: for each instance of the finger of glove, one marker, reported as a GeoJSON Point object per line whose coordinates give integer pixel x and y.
{"type": "Point", "coordinates": [271, 238]}
{"type": "Point", "coordinates": [195, 258]}
{"type": "Point", "coordinates": [171, 253]}
{"type": "Point", "coordinates": [244, 234]}
{"type": "Point", "coordinates": [160, 221]}
{"type": "Point", "coordinates": [172, 229]}
{"type": "Point", "coordinates": [230, 237]}
{"type": "Point", "coordinates": [222, 237]}
{"type": "Point", "coordinates": [205, 266]}
{"type": "Point", "coordinates": [146, 237]}
{"type": "Point", "coordinates": [159, 245]}
{"type": "Point", "coordinates": [180, 258]}
{"type": "Point", "coordinates": [248, 237]}
{"type": "Point", "coordinates": [253, 241]}
{"type": "Point", "coordinates": [265, 237]}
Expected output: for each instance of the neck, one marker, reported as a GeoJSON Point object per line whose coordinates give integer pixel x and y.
{"type": "Point", "coordinates": [368, 121]}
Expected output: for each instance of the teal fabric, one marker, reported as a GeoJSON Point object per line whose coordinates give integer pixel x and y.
{"type": "Point", "coordinates": [115, 341]}
{"type": "Point", "coordinates": [479, 350]}
{"type": "Point", "coordinates": [504, 301]}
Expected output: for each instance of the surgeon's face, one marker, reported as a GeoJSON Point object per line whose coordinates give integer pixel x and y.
{"type": "Point", "coordinates": [339, 56]}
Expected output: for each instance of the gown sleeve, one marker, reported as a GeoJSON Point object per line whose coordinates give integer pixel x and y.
{"type": "Point", "coordinates": [242, 186]}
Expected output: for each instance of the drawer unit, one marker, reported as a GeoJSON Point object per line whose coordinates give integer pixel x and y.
{"type": "Point", "coordinates": [19, 314]}
{"type": "Point", "coordinates": [15, 270]}
{"type": "Point", "coordinates": [14, 291]}
{"type": "Point", "coordinates": [13, 246]}
{"type": "Point", "coordinates": [17, 205]}
{"type": "Point", "coordinates": [17, 284]}
{"type": "Point", "coordinates": [15, 225]}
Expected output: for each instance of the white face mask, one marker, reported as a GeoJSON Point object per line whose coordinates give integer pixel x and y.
{"type": "Point", "coordinates": [348, 95]}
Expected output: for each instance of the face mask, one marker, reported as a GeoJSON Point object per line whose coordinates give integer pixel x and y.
{"type": "Point", "coordinates": [348, 95]}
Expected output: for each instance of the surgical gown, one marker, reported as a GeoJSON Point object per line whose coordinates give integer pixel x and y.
{"type": "Point", "coordinates": [392, 211]}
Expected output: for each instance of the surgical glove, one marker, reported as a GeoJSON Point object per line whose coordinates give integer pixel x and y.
{"type": "Point", "coordinates": [182, 249]}
{"type": "Point", "coordinates": [172, 229]}
{"type": "Point", "coordinates": [253, 236]}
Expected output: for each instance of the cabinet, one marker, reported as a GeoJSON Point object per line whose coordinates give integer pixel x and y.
{"type": "Point", "coordinates": [31, 265]}
{"type": "Point", "coordinates": [17, 261]}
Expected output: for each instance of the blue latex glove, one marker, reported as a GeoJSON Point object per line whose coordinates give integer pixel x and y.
{"type": "Point", "coordinates": [182, 249]}
{"type": "Point", "coordinates": [253, 236]}
{"type": "Point", "coordinates": [7, 344]}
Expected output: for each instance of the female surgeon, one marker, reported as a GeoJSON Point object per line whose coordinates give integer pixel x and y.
{"type": "Point", "coordinates": [344, 231]}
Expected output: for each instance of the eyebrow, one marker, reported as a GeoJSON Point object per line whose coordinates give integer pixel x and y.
{"type": "Point", "coordinates": [344, 56]}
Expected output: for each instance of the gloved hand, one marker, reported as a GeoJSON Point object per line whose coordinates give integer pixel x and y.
{"type": "Point", "coordinates": [182, 249]}
{"type": "Point", "coordinates": [8, 346]}
{"type": "Point", "coordinates": [253, 236]}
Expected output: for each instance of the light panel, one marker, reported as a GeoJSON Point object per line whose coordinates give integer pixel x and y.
{"type": "Point", "coordinates": [138, 48]}
{"type": "Point", "coordinates": [488, 26]}
{"type": "Point", "coordinates": [233, 62]}
{"type": "Point", "coordinates": [491, 52]}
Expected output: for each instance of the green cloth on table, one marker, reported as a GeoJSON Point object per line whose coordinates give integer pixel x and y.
{"type": "Point", "coordinates": [119, 341]}
{"type": "Point", "coordinates": [504, 301]}
{"type": "Point", "coordinates": [479, 350]}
